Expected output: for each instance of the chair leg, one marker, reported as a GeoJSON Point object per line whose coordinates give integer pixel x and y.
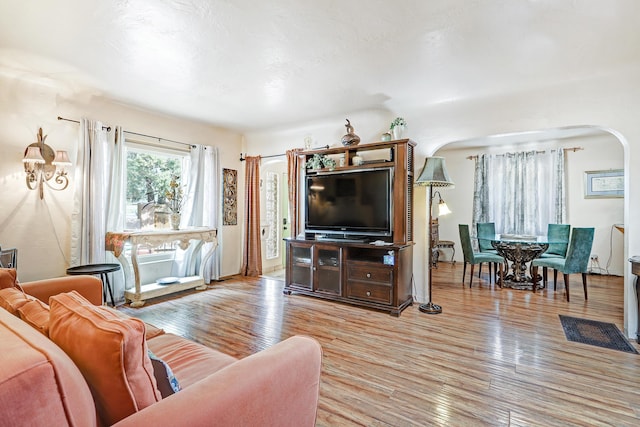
{"type": "Point", "coordinates": [501, 275]}
{"type": "Point", "coordinates": [555, 278]}
{"type": "Point", "coordinates": [479, 270]}
{"type": "Point", "coordinates": [544, 277]}
{"type": "Point", "coordinates": [464, 270]}
{"type": "Point", "coordinates": [584, 284]}
{"type": "Point", "coordinates": [566, 285]}
{"type": "Point", "coordinates": [471, 275]}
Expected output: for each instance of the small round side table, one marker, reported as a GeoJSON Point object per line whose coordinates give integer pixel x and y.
{"type": "Point", "coordinates": [103, 270]}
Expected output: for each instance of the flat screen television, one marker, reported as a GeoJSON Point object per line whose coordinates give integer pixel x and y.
{"type": "Point", "coordinates": [350, 203]}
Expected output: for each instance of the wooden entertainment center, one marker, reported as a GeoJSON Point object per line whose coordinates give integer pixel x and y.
{"type": "Point", "coordinates": [356, 270]}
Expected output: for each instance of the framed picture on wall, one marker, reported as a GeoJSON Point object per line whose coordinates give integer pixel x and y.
{"type": "Point", "coordinates": [601, 184]}
{"type": "Point", "coordinates": [229, 197]}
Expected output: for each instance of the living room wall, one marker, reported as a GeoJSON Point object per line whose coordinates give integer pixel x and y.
{"type": "Point", "coordinates": [40, 229]}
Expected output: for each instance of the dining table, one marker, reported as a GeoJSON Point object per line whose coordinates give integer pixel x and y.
{"type": "Point", "coordinates": [520, 250]}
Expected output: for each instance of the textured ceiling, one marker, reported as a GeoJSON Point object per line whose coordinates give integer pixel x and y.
{"type": "Point", "coordinates": [250, 65]}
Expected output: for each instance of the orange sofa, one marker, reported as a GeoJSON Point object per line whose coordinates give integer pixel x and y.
{"type": "Point", "coordinates": [58, 368]}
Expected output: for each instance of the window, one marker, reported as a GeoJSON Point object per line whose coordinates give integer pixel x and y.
{"type": "Point", "coordinates": [149, 172]}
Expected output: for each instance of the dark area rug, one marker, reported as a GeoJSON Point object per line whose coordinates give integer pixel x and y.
{"type": "Point", "coordinates": [592, 332]}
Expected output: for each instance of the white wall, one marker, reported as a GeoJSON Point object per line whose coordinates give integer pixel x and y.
{"type": "Point", "coordinates": [600, 153]}
{"type": "Point", "coordinates": [609, 102]}
{"type": "Point", "coordinates": [40, 229]}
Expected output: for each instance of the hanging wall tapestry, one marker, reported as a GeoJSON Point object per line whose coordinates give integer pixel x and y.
{"type": "Point", "coordinates": [230, 197]}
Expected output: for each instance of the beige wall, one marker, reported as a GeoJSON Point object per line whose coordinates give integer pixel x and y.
{"type": "Point", "coordinates": [41, 229]}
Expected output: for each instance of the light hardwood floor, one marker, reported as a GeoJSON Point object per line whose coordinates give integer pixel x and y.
{"type": "Point", "coordinates": [494, 357]}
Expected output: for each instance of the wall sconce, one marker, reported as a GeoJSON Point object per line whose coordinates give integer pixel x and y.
{"type": "Point", "coordinates": [41, 164]}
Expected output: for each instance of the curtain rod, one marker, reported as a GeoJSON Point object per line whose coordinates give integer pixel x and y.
{"type": "Point", "coordinates": [158, 138]}
{"type": "Point", "coordinates": [574, 149]}
{"type": "Point", "coordinates": [107, 128]}
{"type": "Point", "coordinates": [242, 158]}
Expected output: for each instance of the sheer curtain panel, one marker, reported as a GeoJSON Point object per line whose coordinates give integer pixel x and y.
{"type": "Point", "coordinates": [520, 192]}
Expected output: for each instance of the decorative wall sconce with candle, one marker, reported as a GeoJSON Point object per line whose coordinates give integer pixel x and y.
{"type": "Point", "coordinates": [41, 166]}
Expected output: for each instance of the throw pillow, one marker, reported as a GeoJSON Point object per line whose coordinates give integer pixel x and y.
{"type": "Point", "coordinates": [167, 382]}
{"type": "Point", "coordinates": [8, 278]}
{"type": "Point", "coordinates": [109, 350]}
{"type": "Point", "coordinates": [11, 299]}
{"type": "Point", "coordinates": [36, 314]}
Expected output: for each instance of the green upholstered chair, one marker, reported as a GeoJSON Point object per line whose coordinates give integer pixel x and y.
{"type": "Point", "coordinates": [559, 234]}
{"type": "Point", "coordinates": [577, 259]}
{"type": "Point", "coordinates": [486, 232]}
{"type": "Point", "coordinates": [474, 258]}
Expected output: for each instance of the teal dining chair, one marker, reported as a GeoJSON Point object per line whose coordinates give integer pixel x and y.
{"type": "Point", "coordinates": [486, 232]}
{"type": "Point", "coordinates": [559, 235]}
{"type": "Point", "coordinates": [474, 258]}
{"type": "Point", "coordinates": [576, 261]}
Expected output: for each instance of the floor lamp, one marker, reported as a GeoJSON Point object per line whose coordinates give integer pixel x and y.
{"type": "Point", "coordinates": [434, 174]}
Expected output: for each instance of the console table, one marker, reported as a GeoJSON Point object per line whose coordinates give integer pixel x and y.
{"type": "Point", "coordinates": [137, 292]}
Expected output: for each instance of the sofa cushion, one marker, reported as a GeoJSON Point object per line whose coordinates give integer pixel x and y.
{"type": "Point", "coordinates": [189, 361]}
{"type": "Point", "coordinates": [150, 330]}
{"type": "Point", "coordinates": [39, 383]}
{"type": "Point", "coordinates": [11, 299]}
{"type": "Point", "coordinates": [8, 278]}
{"type": "Point", "coordinates": [36, 314]}
{"type": "Point", "coordinates": [109, 350]}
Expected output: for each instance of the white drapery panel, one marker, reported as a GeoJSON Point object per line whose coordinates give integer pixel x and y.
{"type": "Point", "coordinates": [520, 192]}
{"type": "Point", "coordinates": [116, 204]}
{"type": "Point", "coordinates": [203, 205]}
{"type": "Point", "coordinates": [88, 218]}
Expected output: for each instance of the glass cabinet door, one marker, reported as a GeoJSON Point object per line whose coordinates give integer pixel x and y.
{"type": "Point", "coordinates": [301, 266]}
{"type": "Point", "coordinates": [327, 269]}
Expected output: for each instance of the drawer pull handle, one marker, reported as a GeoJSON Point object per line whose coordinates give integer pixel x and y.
{"type": "Point", "coordinates": [368, 293]}
{"type": "Point", "coordinates": [368, 275]}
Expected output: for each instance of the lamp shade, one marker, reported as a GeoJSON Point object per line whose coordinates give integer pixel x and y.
{"type": "Point", "coordinates": [62, 159]}
{"type": "Point", "coordinates": [443, 209]}
{"type": "Point", "coordinates": [33, 155]}
{"type": "Point", "coordinates": [434, 173]}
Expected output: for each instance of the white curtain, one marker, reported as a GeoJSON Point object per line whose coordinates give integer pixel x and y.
{"type": "Point", "coordinates": [520, 192]}
{"type": "Point", "coordinates": [203, 205]}
{"type": "Point", "coordinates": [116, 204]}
{"type": "Point", "coordinates": [88, 218]}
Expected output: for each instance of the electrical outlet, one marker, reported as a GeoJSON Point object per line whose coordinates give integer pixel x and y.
{"type": "Point", "coordinates": [594, 257]}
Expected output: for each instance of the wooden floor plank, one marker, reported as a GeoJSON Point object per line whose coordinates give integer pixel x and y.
{"type": "Point", "coordinates": [494, 357]}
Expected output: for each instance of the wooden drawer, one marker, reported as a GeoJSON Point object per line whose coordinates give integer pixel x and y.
{"type": "Point", "coordinates": [370, 273]}
{"type": "Point", "coordinates": [369, 291]}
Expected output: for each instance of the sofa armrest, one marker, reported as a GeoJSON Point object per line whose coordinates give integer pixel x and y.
{"type": "Point", "coordinates": [89, 287]}
{"type": "Point", "coordinates": [278, 386]}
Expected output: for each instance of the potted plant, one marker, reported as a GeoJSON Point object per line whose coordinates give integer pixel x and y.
{"type": "Point", "coordinates": [175, 201]}
{"type": "Point", "coordinates": [319, 160]}
{"type": "Point", "coordinates": [397, 127]}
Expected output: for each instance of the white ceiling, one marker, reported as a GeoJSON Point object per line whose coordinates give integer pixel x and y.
{"type": "Point", "coordinates": [249, 65]}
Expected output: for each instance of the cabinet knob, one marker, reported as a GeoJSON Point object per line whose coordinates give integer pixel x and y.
{"type": "Point", "coordinates": [368, 275]}
{"type": "Point", "coordinates": [314, 268]}
{"type": "Point", "coordinates": [368, 293]}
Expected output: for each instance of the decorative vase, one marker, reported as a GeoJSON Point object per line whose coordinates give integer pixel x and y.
{"type": "Point", "coordinates": [350, 138]}
{"type": "Point", "coordinates": [175, 221]}
{"type": "Point", "coordinates": [397, 131]}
